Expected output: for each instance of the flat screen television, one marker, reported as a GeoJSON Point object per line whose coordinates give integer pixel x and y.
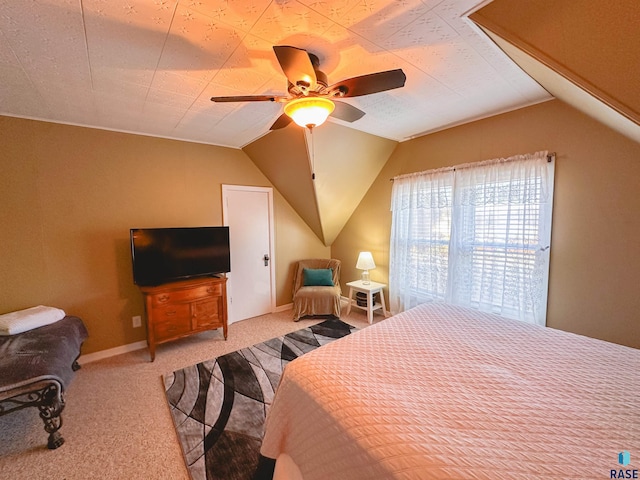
{"type": "Point", "coordinates": [163, 255]}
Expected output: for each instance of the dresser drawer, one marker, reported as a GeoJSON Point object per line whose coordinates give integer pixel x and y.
{"type": "Point", "coordinates": [186, 295]}
{"type": "Point", "coordinates": [168, 330]}
{"type": "Point", "coordinates": [179, 312]}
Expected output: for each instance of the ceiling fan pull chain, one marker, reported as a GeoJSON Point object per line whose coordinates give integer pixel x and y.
{"type": "Point", "coordinates": [313, 154]}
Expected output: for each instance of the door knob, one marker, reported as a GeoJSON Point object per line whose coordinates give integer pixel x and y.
{"type": "Point", "coordinates": [266, 260]}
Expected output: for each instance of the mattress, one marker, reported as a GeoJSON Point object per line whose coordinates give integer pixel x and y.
{"type": "Point", "coordinates": [444, 392]}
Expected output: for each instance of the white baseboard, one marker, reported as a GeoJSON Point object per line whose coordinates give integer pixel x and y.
{"type": "Point", "coordinates": [284, 308]}
{"type": "Point", "coordinates": [111, 352]}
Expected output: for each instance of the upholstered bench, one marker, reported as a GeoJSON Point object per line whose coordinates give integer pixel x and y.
{"type": "Point", "coordinates": [36, 367]}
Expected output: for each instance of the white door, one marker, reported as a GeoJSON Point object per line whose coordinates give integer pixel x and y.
{"type": "Point", "coordinates": [248, 211]}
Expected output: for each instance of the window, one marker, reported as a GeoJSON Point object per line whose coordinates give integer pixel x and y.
{"type": "Point", "coordinates": [477, 236]}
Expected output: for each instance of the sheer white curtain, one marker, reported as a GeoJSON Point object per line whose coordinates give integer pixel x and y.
{"type": "Point", "coordinates": [497, 252]}
{"type": "Point", "coordinates": [420, 233]}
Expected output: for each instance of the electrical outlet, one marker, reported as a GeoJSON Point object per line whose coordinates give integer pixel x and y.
{"type": "Point", "coordinates": [137, 321]}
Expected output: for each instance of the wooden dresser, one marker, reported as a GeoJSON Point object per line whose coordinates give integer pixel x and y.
{"type": "Point", "coordinates": [179, 309]}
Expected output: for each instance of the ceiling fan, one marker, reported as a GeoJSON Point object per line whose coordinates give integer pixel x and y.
{"type": "Point", "coordinates": [311, 99]}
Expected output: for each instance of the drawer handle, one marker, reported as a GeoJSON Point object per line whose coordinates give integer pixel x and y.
{"type": "Point", "coordinates": [210, 290]}
{"type": "Point", "coordinates": [163, 298]}
{"type": "Point", "coordinates": [170, 313]}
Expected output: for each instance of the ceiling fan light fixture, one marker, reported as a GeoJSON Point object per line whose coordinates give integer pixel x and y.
{"type": "Point", "coordinates": [309, 111]}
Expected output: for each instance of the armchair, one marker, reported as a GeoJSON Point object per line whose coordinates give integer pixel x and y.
{"type": "Point", "coordinates": [316, 299]}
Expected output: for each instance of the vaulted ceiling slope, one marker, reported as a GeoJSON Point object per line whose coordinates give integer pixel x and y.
{"type": "Point", "coordinates": [151, 66]}
{"type": "Point", "coordinates": [583, 52]}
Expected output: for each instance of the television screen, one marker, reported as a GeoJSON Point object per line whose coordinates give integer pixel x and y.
{"type": "Point", "coordinates": [162, 255]}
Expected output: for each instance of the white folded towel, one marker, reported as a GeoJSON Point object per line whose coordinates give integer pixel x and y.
{"type": "Point", "coordinates": [17, 322]}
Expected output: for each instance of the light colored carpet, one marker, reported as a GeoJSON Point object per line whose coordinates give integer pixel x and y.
{"type": "Point", "coordinates": [117, 423]}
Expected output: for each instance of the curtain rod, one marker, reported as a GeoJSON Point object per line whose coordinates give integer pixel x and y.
{"type": "Point", "coordinates": [551, 156]}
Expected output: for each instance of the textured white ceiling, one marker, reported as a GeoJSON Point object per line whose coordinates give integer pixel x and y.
{"type": "Point", "coordinates": [151, 66]}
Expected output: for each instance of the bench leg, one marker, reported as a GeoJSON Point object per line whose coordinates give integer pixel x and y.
{"type": "Point", "coordinates": [55, 440]}
{"type": "Point", "coordinates": [50, 410]}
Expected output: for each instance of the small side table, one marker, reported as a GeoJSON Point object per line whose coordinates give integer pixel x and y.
{"type": "Point", "coordinates": [370, 289]}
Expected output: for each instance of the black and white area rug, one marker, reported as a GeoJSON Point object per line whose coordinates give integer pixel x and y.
{"type": "Point", "coordinates": [219, 406]}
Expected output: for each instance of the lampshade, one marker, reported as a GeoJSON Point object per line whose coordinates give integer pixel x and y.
{"type": "Point", "coordinates": [365, 261]}
{"type": "Point", "coordinates": [309, 111]}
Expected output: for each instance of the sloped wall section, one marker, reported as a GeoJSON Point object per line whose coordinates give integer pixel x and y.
{"type": "Point", "coordinates": [582, 52]}
{"type": "Point", "coordinates": [323, 174]}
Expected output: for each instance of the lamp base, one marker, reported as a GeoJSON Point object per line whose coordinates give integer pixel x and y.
{"type": "Point", "coordinates": [365, 277]}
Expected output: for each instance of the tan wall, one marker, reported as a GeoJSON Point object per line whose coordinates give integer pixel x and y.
{"type": "Point", "coordinates": [294, 241]}
{"type": "Point", "coordinates": [595, 263]}
{"type": "Point", "coordinates": [69, 196]}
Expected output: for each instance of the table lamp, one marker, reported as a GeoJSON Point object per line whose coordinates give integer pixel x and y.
{"type": "Point", "coordinates": [365, 263]}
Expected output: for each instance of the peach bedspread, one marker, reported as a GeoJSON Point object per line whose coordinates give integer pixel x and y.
{"type": "Point", "coordinates": [444, 392]}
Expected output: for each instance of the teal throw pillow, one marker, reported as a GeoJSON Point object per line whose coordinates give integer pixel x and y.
{"type": "Point", "coordinates": [317, 277]}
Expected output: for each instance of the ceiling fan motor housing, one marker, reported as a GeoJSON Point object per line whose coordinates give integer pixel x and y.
{"type": "Point", "coordinates": [321, 77]}
{"type": "Point", "coordinates": [321, 80]}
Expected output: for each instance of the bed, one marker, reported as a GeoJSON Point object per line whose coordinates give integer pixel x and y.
{"type": "Point", "coordinates": [445, 392]}
{"type": "Point", "coordinates": [36, 367]}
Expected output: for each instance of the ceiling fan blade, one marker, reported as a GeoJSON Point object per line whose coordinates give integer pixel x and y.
{"type": "Point", "coordinates": [371, 83]}
{"type": "Point", "coordinates": [346, 112]}
{"type": "Point", "coordinates": [246, 98]}
{"type": "Point", "coordinates": [296, 65]}
{"type": "Point", "coordinates": [282, 121]}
